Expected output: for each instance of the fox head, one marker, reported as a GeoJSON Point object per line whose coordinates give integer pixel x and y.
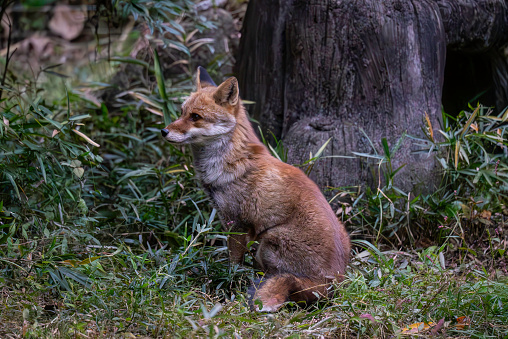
{"type": "Point", "coordinates": [207, 114]}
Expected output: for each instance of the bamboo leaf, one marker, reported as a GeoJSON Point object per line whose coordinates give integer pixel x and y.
{"type": "Point", "coordinates": [90, 141]}
{"type": "Point", "coordinates": [504, 115]}
{"type": "Point", "coordinates": [322, 148]}
{"type": "Point", "coordinates": [154, 111]}
{"type": "Point", "coordinates": [398, 144]}
{"type": "Point", "coordinates": [274, 152]}
{"type": "Point", "coordinates": [146, 100]}
{"type": "Point", "coordinates": [88, 260]}
{"type": "Point", "coordinates": [366, 155]}
{"type": "Point", "coordinates": [457, 146]}
{"type": "Point", "coordinates": [43, 169]}
{"type": "Point", "coordinates": [11, 179]}
{"type": "Point", "coordinates": [469, 121]}
{"type": "Point", "coordinates": [131, 61]}
{"type": "Point", "coordinates": [80, 117]}
{"type": "Point", "coordinates": [368, 139]}
{"type": "Point", "coordinates": [76, 276]}
{"type": "Point", "coordinates": [59, 279]}
{"type": "Point", "coordinates": [386, 149]}
{"type": "Point", "coordinates": [162, 87]}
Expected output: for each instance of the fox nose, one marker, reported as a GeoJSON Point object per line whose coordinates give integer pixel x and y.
{"type": "Point", "coordinates": [164, 132]}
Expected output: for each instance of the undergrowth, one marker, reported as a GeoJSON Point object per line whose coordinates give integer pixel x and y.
{"type": "Point", "coordinates": [104, 230]}
{"type": "Point", "coordinates": [471, 152]}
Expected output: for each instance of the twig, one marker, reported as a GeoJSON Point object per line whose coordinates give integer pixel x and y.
{"type": "Point", "coordinates": [4, 7]}
{"type": "Point", "coordinates": [7, 57]}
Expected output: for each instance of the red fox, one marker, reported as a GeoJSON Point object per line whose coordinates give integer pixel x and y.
{"type": "Point", "coordinates": [302, 246]}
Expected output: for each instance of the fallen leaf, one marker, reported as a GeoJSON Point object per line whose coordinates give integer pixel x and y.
{"type": "Point", "coordinates": [88, 260]}
{"type": "Point", "coordinates": [462, 322]}
{"type": "Point", "coordinates": [78, 172]}
{"type": "Point", "coordinates": [429, 126]}
{"type": "Point", "coordinates": [417, 328]}
{"type": "Point", "coordinates": [438, 326]}
{"type": "Point", "coordinates": [368, 316]}
{"type": "Point", "coordinates": [67, 22]}
{"type": "Point", "coordinates": [76, 263]}
{"type": "Point", "coordinates": [486, 214]}
{"type": "Point", "coordinates": [26, 326]}
{"type": "Point", "coordinates": [75, 163]}
{"type": "Point", "coordinates": [88, 96]}
{"type": "Point", "coordinates": [69, 262]}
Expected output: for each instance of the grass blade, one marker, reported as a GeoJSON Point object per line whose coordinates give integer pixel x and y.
{"type": "Point", "coordinates": [43, 169]}
{"type": "Point", "coordinates": [162, 87]}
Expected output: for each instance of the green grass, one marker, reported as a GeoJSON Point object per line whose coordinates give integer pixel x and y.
{"type": "Point", "coordinates": [193, 293]}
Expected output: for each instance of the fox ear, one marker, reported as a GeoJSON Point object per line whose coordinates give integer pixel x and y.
{"type": "Point", "coordinates": [203, 79]}
{"type": "Point", "coordinates": [227, 92]}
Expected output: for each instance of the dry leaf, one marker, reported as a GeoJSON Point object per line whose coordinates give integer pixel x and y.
{"type": "Point", "coordinates": [26, 326]}
{"type": "Point", "coordinates": [6, 123]}
{"type": "Point", "coordinates": [438, 326]}
{"type": "Point", "coordinates": [69, 262]}
{"type": "Point", "coordinates": [368, 316]}
{"type": "Point", "coordinates": [145, 99]}
{"type": "Point", "coordinates": [429, 126]}
{"type": "Point", "coordinates": [55, 132]}
{"type": "Point", "coordinates": [90, 141]}
{"type": "Point", "coordinates": [486, 214]}
{"type": "Point", "coordinates": [417, 328]}
{"type": "Point", "coordinates": [76, 263]}
{"type": "Point", "coordinates": [88, 260]}
{"type": "Point", "coordinates": [88, 96]}
{"type": "Point", "coordinates": [75, 163]}
{"type": "Point", "coordinates": [78, 172]}
{"type": "Point", "coordinates": [462, 322]}
{"type": "Point", "coordinates": [154, 111]}
{"type": "Point", "coordinates": [68, 22]}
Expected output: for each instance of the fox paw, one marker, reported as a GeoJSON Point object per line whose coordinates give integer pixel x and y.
{"type": "Point", "coordinates": [264, 296]}
{"type": "Point", "coordinates": [268, 305]}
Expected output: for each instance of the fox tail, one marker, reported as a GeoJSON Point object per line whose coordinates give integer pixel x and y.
{"type": "Point", "coordinates": [269, 294]}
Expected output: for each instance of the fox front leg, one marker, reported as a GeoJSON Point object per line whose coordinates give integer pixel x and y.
{"type": "Point", "coordinates": [237, 244]}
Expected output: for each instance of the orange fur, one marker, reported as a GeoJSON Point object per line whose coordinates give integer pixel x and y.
{"type": "Point", "coordinates": [302, 245]}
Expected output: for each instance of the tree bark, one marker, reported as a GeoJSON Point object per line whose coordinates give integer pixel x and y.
{"type": "Point", "coordinates": [346, 70]}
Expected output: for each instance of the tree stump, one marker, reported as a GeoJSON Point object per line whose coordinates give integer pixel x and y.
{"type": "Point", "coordinates": [358, 70]}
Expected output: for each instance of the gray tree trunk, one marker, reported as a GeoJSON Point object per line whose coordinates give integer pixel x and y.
{"type": "Point", "coordinates": [331, 68]}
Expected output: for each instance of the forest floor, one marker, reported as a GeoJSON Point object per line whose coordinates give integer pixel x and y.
{"type": "Point", "coordinates": [105, 231]}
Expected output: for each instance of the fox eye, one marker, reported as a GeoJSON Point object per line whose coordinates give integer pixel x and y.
{"type": "Point", "coordinates": [195, 117]}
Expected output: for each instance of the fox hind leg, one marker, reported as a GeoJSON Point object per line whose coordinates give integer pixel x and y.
{"type": "Point", "coordinates": [274, 291]}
